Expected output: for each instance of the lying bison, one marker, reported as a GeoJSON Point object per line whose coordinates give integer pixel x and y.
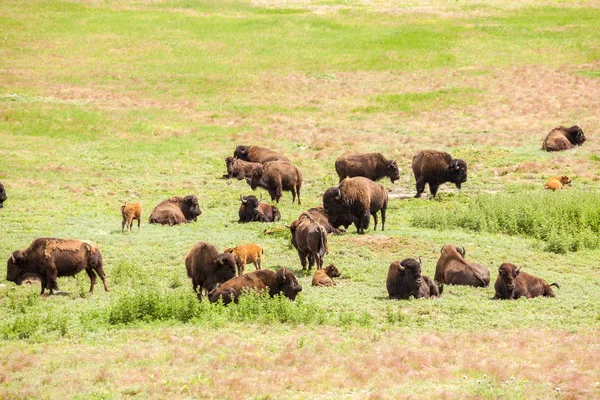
{"type": "Point", "coordinates": [238, 169]}
{"type": "Point", "coordinates": [207, 267]}
{"type": "Point", "coordinates": [258, 154]}
{"type": "Point", "coordinates": [557, 182]}
{"type": "Point", "coordinates": [280, 282]}
{"type": "Point", "coordinates": [252, 209]}
{"type": "Point", "coordinates": [2, 195]}
{"type": "Point", "coordinates": [453, 269]}
{"type": "Point", "coordinates": [404, 280]}
{"type": "Point", "coordinates": [309, 238]}
{"type": "Point", "coordinates": [50, 258]}
{"type": "Point", "coordinates": [276, 176]}
{"type": "Point", "coordinates": [563, 138]}
{"type": "Point", "coordinates": [324, 276]}
{"type": "Point", "coordinates": [176, 210]}
{"type": "Point", "coordinates": [371, 165]}
{"type": "Point", "coordinates": [437, 167]}
{"type": "Point", "coordinates": [353, 201]}
{"type": "Point", "coordinates": [512, 284]}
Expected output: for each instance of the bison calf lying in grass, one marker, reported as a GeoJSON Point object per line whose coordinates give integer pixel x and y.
{"type": "Point", "coordinates": [130, 212]}
{"type": "Point", "coordinates": [371, 165]}
{"type": "Point", "coordinates": [246, 254]}
{"type": "Point", "coordinates": [176, 210]}
{"type": "Point", "coordinates": [207, 267]}
{"type": "Point", "coordinates": [50, 258]}
{"type": "Point", "coordinates": [557, 182]}
{"type": "Point", "coordinates": [512, 284]}
{"type": "Point", "coordinates": [563, 138]}
{"type": "Point", "coordinates": [453, 269]}
{"type": "Point", "coordinates": [437, 167]}
{"type": "Point", "coordinates": [404, 280]}
{"type": "Point", "coordinates": [282, 281]}
{"type": "Point", "coordinates": [323, 277]}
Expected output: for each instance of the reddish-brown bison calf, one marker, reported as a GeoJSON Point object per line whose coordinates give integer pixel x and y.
{"type": "Point", "coordinates": [246, 254]}
{"type": "Point", "coordinates": [323, 277]}
{"type": "Point", "coordinates": [130, 212]}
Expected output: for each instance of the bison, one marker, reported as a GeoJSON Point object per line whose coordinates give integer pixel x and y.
{"type": "Point", "coordinates": [563, 138]}
{"type": "Point", "coordinates": [258, 154]}
{"type": "Point", "coordinates": [238, 169]}
{"type": "Point", "coordinates": [512, 284]}
{"type": "Point", "coordinates": [50, 258]}
{"type": "Point", "coordinates": [557, 182]}
{"type": "Point", "coordinates": [309, 238]}
{"type": "Point", "coordinates": [3, 196]}
{"type": "Point", "coordinates": [437, 167]}
{"type": "Point", "coordinates": [280, 282]}
{"type": "Point", "coordinates": [276, 176]}
{"type": "Point", "coordinates": [323, 277]}
{"type": "Point", "coordinates": [252, 209]}
{"type": "Point", "coordinates": [176, 210]}
{"type": "Point", "coordinates": [246, 254]}
{"type": "Point", "coordinates": [130, 212]}
{"type": "Point", "coordinates": [207, 267]}
{"type": "Point", "coordinates": [453, 269]}
{"type": "Point", "coordinates": [404, 280]}
{"type": "Point", "coordinates": [371, 165]}
{"type": "Point", "coordinates": [353, 201]}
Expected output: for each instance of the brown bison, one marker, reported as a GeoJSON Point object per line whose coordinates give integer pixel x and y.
{"type": "Point", "coordinates": [319, 215]}
{"type": "Point", "coordinates": [252, 209]}
{"type": "Point", "coordinates": [258, 154]}
{"type": "Point", "coordinates": [207, 267]}
{"type": "Point", "coordinates": [404, 280]}
{"type": "Point", "coordinates": [309, 238]}
{"type": "Point", "coordinates": [323, 277]}
{"type": "Point", "coordinates": [246, 254]}
{"type": "Point", "coordinates": [176, 210]}
{"type": "Point", "coordinates": [276, 176]}
{"type": "Point", "coordinates": [371, 165]}
{"type": "Point", "coordinates": [563, 138]}
{"type": "Point", "coordinates": [3, 196]}
{"type": "Point", "coordinates": [130, 212]}
{"type": "Point", "coordinates": [50, 258]}
{"type": "Point", "coordinates": [557, 182]}
{"type": "Point", "coordinates": [238, 169]}
{"type": "Point", "coordinates": [353, 201]}
{"type": "Point", "coordinates": [512, 284]}
{"type": "Point", "coordinates": [453, 269]}
{"type": "Point", "coordinates": [437, 167]}
{"type": "Point", "coordinates": [280, 282]}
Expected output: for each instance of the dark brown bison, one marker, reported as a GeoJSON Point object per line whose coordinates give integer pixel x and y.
{"type": "Point", "coordinates": [238, 169]}
{"type": "Point", "coordinates": [323, 277]}
{"type": "Point", "coordinates": [207, 267]}
{"type": "Point", "coordinates": [252, 209]}
{"type": "Point", "coordinates": [280, 282]}
{"type": "Point", "coordinates": [404, 280]}
{"type": "Point", "coordinates": [50, 258]}
{"type": "Point", "coordinates": [353, 201]}
{"type": "Point", "coordinates": [176, 210]}
{"type": "Point", "coordinates": [453, 269]}
{"type": "Point", "coordinates": [309, 238]}
{"type": "Point", "coordinates": [276, 176]}
{"type": "Point", "coordinates": [512, 284]}
{"type": "Point", "coordinates": [563, 138]}
{"type": "Point", "coordinates": [130, 212]}
{"type": "Point", "coordinates": [258, 154]}
{"type": "Point", "coordinates": [371, 165]}
{"type": "Point", "coordinates": [3, 196]}
{"type": "Point", "coordinates": [437, 167]}
{"type": "Point", "coordinates": [319, 215]}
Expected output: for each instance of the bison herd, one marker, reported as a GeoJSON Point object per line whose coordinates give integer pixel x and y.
{"type": "Point", "coordinates": [222, 277]}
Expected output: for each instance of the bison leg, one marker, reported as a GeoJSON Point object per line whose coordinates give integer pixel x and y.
{"type": "Point", "coordinates": [123, 225]}
{"type": "Point", "coordinates": [302, 260]}
{"type": "Point", "coordinates": [298, 193]}
{"type": "Point", "coordinates": [375, 218]}
{"type": "Point", "coordinates": [92, 276]}
{"type": "Point", "coordinates": [383, 219]}
{"type": "Point", "coordinates": [44, 284]}
{"type": "Point", "coordinates": [433, 188]}
{"type": "Point", "coordinates": [420, 187]}
{"type": "Point", "coordinates": [139, 224]}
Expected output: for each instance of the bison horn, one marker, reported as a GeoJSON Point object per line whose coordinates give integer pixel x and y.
{"type": "Point", "coordinates": [244, 201]}
{"type": "Point", "coordinates": [12, 259]}
{"type": "Point", "coordinates": [338, 196]}
{"type": "Point", "coordinates": [464, 252]}
{"type": "Point", "coordinates": [392, 163]}
{"type": "Point", "coordinates": [284, 273]}
{"type": "Point", "coordinates": [420, 262]}
{"type": "Point", "coordinates": [400, 267]}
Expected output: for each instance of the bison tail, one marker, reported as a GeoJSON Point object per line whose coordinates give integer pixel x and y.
{"type": "Point", "coordinates": [276, 214]}
{"type": "Point", "coordinates": [440, 287]}
{"type": "Point", "coordinates": [555, 284]}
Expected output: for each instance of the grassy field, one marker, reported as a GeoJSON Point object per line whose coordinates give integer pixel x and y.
{"type": "Point", "coordinates": [103, 102]}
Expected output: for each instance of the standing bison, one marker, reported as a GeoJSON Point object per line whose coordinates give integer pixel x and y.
{"type": "Point", "coordinates": [276, 176]}
{"type": "Point", "coordinates": [353, 201]}
{"type": "Point", "coordinates": [404, 280]}
{"type": "Point", "coordinates": [251, 209]}
{"type": "Point", "coordinates": [2, 195]}
{"type": "Point", "coordinates": [50, 258]}
{"type": "Point", "coordinates": [512, 284]}
{"type": "Point", "coordinates": [176, 210]}
{"type": "Point", "coordinates": [257, 154]}
{"type": "Point", "coordinates": [309, 238]}
{"type": "Point", "coordinates": [207, 267]}
{"type": "Point", "coordinates": [319, 215]}
{"type": "Point", "coordinates": [371, 165]}
{"type": "Point", "coordinates": [453, 269]}
{"type": "Point", "coordinates": [238, 169]}
{"type": "Point", "coordinates": [563, 138]}
{"type": "Point", "coordinates": [437, 167]}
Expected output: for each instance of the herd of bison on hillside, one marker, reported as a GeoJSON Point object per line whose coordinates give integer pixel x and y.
{"type": "Point", "coordinates": [358, 196]}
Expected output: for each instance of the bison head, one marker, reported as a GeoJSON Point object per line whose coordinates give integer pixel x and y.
{"type": "Point", "coordinates": [191, 208]}
{"type": "Point", "coordinates": [226, 266]}
{"type": "Point", "coordinates": [248, 208]}
{"type": "Point", "coordinates": [575, 135]}
{"type": "Point", "coordinates": [410, 273]}
{"type": "Point", "coordinates": [392, 171]}
{"type": "Point", "coordinates": [565, 180]}
{"type": "Point", "coordinates": [254, 176]}
{"type": "Point", "coordinates": [508, 273]}
{"type": "Point", "coordinates": [14, 268]}
{"type": "Point", "coordinates": [229, 162]}
{"type": "Point", "coordinates": [286, 283]}
{"type": "Point", "coordinates": [458, 172]}
{"type": "Point", "coordinates": [332, 271]}
{"type": "Point", "coordinates": [241, 152]}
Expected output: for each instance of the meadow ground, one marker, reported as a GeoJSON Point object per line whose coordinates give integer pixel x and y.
{"type": "Point", "coordinates": [107, 102]}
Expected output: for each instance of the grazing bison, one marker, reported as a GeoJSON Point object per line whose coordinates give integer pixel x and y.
{"type": "Point", "coordinates": [176, 210]}
{"type": "Point", "coordinates": [130, 212]}
{"type": "Point", "coordinates": [207, 267]}
{"type": "Point", "coordinates": [404, 280]}
{"type": "Point", "coordinates": [258, 154]}
{"type": "Point", "coordinates": [453, 269]}
{"type": "Point", "coordinates": [323, 277]}
{"type": "Point", "coordinates": [437, 167]}
{"type": "Point", "coordinates": [246, 254]}
{"type": "Point", "coordinates": [371, 165]}
{"type": "Point", "coordinates": [310, 240]}
{"type": "Point", "coordinates": [512, 284]}
{"type": "Point", "coordinates": [2, 195]}
{"type": "Point", "coordinates": [238, 169]}
{"type": "Point", "coordinates": [557, 182]}
{"type": "Point", "coordinates": [353, 201]}
{"type": "Point", "coordinates": [319, 215]}
{"type": "Point", "coordinates": [280, 282]}
{"type": "Point", "coordinates": [563, 138]}
{"type": "Point", "coordinates": [276, 176]}
{"type": "Point", "coordinates": [50, 258]}
{"type": "Point", "coordinates": [252, 209]}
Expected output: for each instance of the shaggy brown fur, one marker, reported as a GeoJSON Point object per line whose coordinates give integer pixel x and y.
{"type": "Point", "coordinates": [371, 165]}
{"type": "Point", "coordinates": [323, 277]}
{"type": "Point", "coordinates": [319, 215]}
{"type": "Point", "coordinates": [512, 284]}
{"type": "Point", "coordinates": [435, 168]}
{"type": "Point", "coordinates": [557, 182]}
{"type": "Point", "coordinates": [309, 238]}
{"type": "Point", "coordinates": [563, 138]}
{"type": "Point", "coordinates": [252, 209]}
{"type": "Point", "coordinates": [404, 280]}
{"type": "Point", "coordinates": [176, 210]}
{"type": "Point", "coordinates": [258, 154]}
{"type": "Point", "coordinates": [238, 169]}
{"type": "Point", "coordinates": [276, 176]}
{"type": "Point", "coordinates": [130, 212]}
{"type": "Point", "coordinates": [246, 254]}
{"type": "Point", "coordinates": [207, 267]}
{"type": "Point", "coordinates": [3, 196]}
{"type": "Point", "coordinates": [453, 269]}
